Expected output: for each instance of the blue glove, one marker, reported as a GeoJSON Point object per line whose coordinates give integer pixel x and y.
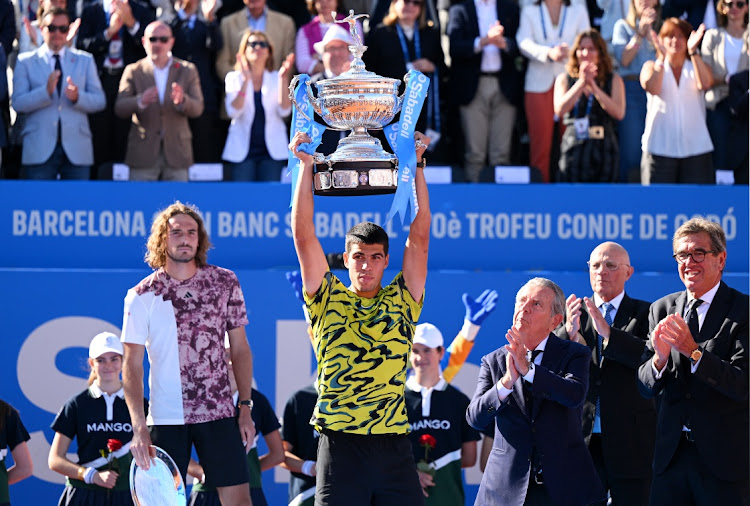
{"type": "Point", "coordinates": [477, 310]}
{"type": "Point", "coordinates": [295, 279]}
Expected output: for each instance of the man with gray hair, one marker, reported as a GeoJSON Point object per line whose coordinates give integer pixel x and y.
{"type": "Point", "coordinates": [532, 390]}
{"type": "Point", "coordinates": [699, 367]}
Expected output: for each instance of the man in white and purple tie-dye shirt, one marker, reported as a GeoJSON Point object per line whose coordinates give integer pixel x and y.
{"type": "Point", "coordinates": [180, 313]}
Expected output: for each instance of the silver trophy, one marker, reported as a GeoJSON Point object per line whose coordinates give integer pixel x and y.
{"type": "Point", "coordinates": [355, 100]}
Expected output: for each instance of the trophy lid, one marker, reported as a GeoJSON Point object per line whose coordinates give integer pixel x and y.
{"type": "Point", "coordinates": [357, 70]}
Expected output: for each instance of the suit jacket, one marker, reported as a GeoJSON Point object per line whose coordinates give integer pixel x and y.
{"type": "Point", "coordinates": [714, 400]}
{"type": "Point", "coordinates": [712, 50]}
{"type": "Point", "coordinates": [463, 28]}
{"type": "Point", "coordinates": [45, 113]}
{"type": "Point", "coordinates": [628, 419]}
{"type": "Point", "coordinates": [159, 123]}
{"type": "Point", "coordinates": [279, 29]}
{"type": "Point", "coordinates": [94, 23]}
{"type": "Point", "coordinates": [240, 130]}
{"type": "Point", "coordinates": [554, 428]}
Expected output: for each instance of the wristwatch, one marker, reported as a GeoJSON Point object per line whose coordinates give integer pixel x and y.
{"type": "Point", "coordinates": [696, 355]}
{"type": "Point", "coordinates": [248, 403]}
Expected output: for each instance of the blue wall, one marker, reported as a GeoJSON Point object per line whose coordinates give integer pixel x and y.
{"type": "Point", "coordinates": [71, 250]}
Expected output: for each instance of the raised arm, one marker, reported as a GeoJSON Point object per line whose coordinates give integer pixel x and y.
{"type": "Point", "coordinates": [312, 260]}
{"type": "Point", "coordinates": [418, 242]}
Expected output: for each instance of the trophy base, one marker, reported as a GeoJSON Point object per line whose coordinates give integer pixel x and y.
{"type": "Point", "coordinates": [377, 177]}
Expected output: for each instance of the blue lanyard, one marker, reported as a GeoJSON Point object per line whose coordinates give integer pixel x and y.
{"type": "Point", "coordinates": [562, 24]}
{"type": "Point", "coordinates": [405, 48]}
{"type": "Point", "coordinates": [588, 105]}
{"type": "Point", "coordinates": [433, 99]}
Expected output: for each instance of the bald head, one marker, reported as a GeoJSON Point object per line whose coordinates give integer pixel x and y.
{"type": "Point", "coordinates": [158, 42]}
{"type": "Point", "coordinates": [609, 269]}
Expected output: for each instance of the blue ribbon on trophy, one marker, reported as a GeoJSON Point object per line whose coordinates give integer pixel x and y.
{"type": "Point", "coordinates": [302, 121]}
{"type": "Point", "coordinates": [401, 139]}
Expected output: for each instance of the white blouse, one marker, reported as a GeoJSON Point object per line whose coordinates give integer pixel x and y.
{"type": "Point", "coordinates": [676, 117]}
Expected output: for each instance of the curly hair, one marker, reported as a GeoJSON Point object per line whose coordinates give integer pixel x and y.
{"type": "Point", "coordinates": [603, 62]}
{"type": "Point", "coordinates": [156, 254]}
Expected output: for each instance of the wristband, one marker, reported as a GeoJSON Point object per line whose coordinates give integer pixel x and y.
{"type": "Point", "coordinates": [469, 330]}
{"type": "Point", "coordinates": [308, 467]}
{"type": "Point", "coordinates": [88, 476]}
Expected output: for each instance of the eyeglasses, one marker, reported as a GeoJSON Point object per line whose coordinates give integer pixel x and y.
{"type": "Point", "coordinates": [697, 256]}
{"type": "Point", "coordinates": [258, 44]}
{"type": "Point", "coordinates": [737, 3]}
{"type": "Point", "coordinates": [163, 39]}
{"type": "Point", "coordinates": [58, 28]}
{"type": "Point", "coordinates": [415, 3]}
{"type": "Point", "coordinates": [608, 265]}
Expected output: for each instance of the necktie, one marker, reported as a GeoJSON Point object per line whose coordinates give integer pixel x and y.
{"type": "Point", "coordinates": [600, 340]}
{"type": "Point", "coordinates": [692, 318]}
{"type": "Point", "coordinates": [600, 347]}
{"type": "Point", "coordinates": [58, 67]}
{"type": "Point", "coordinates": [526, 386]}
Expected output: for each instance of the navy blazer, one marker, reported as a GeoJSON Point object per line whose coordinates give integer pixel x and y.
{"type": "Point", "coordinates": [628, 419]}
{"type": "Point", "coordinates": [199, 46]}
{"type": "Point", "coordinates": [94, 23]}
{"type": "Point", "coordinates": [714, 400]}
{"type": "Point", "coordinates": [463, 28]}
{"type": "Point", "coordinates": [554, 428]}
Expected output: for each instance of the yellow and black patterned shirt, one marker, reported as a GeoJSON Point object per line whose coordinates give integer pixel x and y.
{"type": "Point", "coordinates": [362, 346]}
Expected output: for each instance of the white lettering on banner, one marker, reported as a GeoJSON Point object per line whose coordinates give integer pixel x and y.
{"type": "Point", "coordinates": [653, 227]}
{"type": "Point", "coordinates": [337, 224]}
{"type": "Point", "coordinates": [431, 423]}
{"type": "Point", "coordinates": [595, 226]}
{"type": "Point", "coordinates": [251, 224]}
{"type": "Point", "coordinates": [78, 223]}
{"type": "Point", "coordinates": [509, 225]}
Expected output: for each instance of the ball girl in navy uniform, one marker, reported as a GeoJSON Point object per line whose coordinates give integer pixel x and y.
{"type": "Point", "coordinates": [13, 437]}
{"type": "Point", "coordinates": [99, 419]}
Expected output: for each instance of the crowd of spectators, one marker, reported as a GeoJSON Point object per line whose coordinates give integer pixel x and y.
{"type": "Point", "coordinates": [580, 91]}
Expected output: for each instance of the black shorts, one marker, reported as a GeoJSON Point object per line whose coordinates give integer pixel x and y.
{"type": "Point", "coordinates": [217, 443]}
{"type": "Point", "coordinates": [366, 470]}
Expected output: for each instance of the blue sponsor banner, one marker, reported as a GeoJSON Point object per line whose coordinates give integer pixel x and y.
{"type": "Point", "coordinates": [489, 227]}
{"type": "Point", "coordinates": [49, 317]}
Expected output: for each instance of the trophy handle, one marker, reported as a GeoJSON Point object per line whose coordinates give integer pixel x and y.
{"type": "Point", "coordinates": [400, 101]}
{"type": "Point", "coordinates": [313, 100]}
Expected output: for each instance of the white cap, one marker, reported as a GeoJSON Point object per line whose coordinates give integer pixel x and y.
{"type": "Point", "coordinates": [335, 32]}
{"type": "Point", "coordinates": [103, 343]}
{"type": "Point", "coordinates": [428, 335]}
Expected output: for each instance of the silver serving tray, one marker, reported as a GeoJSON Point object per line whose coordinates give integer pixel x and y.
{"type": "Point", "coordinates": [160, 485]}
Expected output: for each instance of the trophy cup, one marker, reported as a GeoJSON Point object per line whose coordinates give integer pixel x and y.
{"type": "Point", "coordinates": [355, 100]}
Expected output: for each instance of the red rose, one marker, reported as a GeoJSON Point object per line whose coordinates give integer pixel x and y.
{"type": "Point", "coordinates": [427, 440]}
{"type": "Point", "coordinates": [113, 445]}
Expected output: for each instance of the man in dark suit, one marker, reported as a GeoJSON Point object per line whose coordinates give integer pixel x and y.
{"type": "Point", "coordinates": [159, 93]}
{"type": "Point", "coordinates": [619, 425]}
{"type": "Point", "coordinates": [197, 40]}
{"type": "Point", "coordinates": [699, 341]}
{"type": "Point", "coordinates": [532, 390]}
{"type": "Point", "coordinates": [112, 31]}
{"type": "Point", "coordinates": [485, 80]}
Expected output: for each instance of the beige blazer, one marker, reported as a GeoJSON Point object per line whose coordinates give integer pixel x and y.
{"type": "Point", "coordinates": [279, 29]}
{"type": "Point", "coordinates": [159, 122]}
{"type": "Point", "coordinates": [712, 51]}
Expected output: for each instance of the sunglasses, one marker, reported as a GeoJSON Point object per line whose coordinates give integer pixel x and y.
{"type": "Point", "coordinates": [163, 39]}
{"type": "Point", "coordinates": [737, 3]}
{"type": "Point", "coordinates": [58, 28]}
{"type": "Point", "coordinates": [258, 44]}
